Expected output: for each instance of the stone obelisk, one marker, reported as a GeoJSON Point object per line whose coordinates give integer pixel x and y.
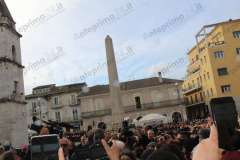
{"type": "Point", "coordinates": [114, 85]}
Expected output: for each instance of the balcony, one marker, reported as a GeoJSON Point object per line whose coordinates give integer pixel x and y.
{"type": "Point", "coordinates": [154, 105]}
{"type": "Point", "coordinates": [54, 106]}
{"type": "Point", "coordinates": [193, 67]}
{"type": "Point", "coordinates": [192, 89]}
{"type": "Point", "coordinates": [74, 104]}
{"type": "Point", "coordinates": [98, 113]}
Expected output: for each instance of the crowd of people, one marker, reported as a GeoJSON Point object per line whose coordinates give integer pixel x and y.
{"type": "Point", "coordinates": [196, 140]}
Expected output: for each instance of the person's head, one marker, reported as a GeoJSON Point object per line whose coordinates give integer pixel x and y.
{"type": "Point", "coordinates": [2, 150]}
{"type": "Point", "coordinates": [161, 140]}
{"type": "Point", "coordinates": [150, 134]}
{"type": "Point", "coordinates": [102, 125]}
{"type": "Point", "coordinates": [173, 149]}
{"type": "Point", "coordinates": [127, 155]}
{"type": "Point", "coordinates": [146, 153]}
{"type": "Point", "coordinates": [64, 143]}
{"type": "Point", "coordinates": [7, 145]}
{"type": "Point", "coordinates": [203, 133]}
{"type": "Point", "coordinates": [162, 155]}
{"type": "Point", "coordinates": [151, 145]}
{"type": "Point", "coordinates": [44, 131]}
{"type": "Point", "coordinates": [98, 136]}
{"type": "Point", "coordinates": [84, 140]}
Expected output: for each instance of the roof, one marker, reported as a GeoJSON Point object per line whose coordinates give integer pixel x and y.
{"type": "Point", "coordinates": [129, 85]}
{"type": "Point", "coordinates": [5, 11]}
{"type": "Point", "coordinates": [45, 86]}
{"type": "Point", "coordinates": [215, 25]}
{"type": "Point", "coordinates": [54, 90]}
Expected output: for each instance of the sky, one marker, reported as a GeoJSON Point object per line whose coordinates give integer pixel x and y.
{"type": "Point", "coordinates": [63, 40]}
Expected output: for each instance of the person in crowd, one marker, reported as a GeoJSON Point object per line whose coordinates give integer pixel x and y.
{"type": "Point", "coordinates": [151, 136]}
{"type": "Point", "coordinates": [44, 131]}
{"type": "Point", "coordinates": [2, 150]}
{"type": "Point", "coordinates": [195, 140]}
{"type": "Point", "coordinates": [65, 145]}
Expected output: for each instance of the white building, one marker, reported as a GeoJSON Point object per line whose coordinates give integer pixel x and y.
{"type": "Point", "coordinates": [56, 103]}
{"type": "Point", "coordinates": [13, 124]}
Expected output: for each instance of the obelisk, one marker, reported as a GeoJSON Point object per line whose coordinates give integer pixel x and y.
{"type": "Point", "coordinates": [114, 85]}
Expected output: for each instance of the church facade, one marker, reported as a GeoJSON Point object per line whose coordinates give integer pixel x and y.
{"type": "Point", "coordinates": [13, 123]}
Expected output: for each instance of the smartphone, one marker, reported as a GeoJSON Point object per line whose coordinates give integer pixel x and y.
{"type": "Point", "coordinates": [224, 113]}
{"type": "Point", "coordinates": [44, 147]}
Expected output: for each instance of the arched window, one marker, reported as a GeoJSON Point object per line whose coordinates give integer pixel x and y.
{"type": "Point", "coordinates": [13, 53]}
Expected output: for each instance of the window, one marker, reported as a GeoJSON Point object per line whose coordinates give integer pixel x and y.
{"type": "Point", "coordinates": [73, 99]}
{"type": "Point", "coordinates": [198, 81]}
{"type": "Point", "coordinates": [208, 93]}
{"type": "Point", "coordinates": [222, 71]}
{"type": "Point", "coordinates": [226, 88]}
{"type": "Point", "coordinates": [138, 102]}
{"type": "Point", "coordinates": [34, 107]}
{"type": "Point", "coordinates": [208, 75]}
{"type": "Point", "coordinates": [236, 34]}
{"type": "Point", "coordinates": [56, 100]}
{"type": "Point", "coordinates": [238, 51]}
{"type": "Point", "coordinates": [211, 90]}
{"type": "Point", "coordinates": [58, 116]}
{"type": "Point", "coordinates": [204, 94]}
{"type": "Point", "coordinates": [13, 53]}
{"type": "Point", "coordinates": [201, 96]}
{"type": "Point", "coordinates": [15, 87]}
{"type": "Point", "coordinates": [196, 98]}
{"type": "Point", "coordinates": [75, 114]}
{"type": "Point", "coordinates": [219, 54]}
{"type": "Point", "coordinates": [191, 99]}
{"type": "Point", "coordinates": [193, 83]}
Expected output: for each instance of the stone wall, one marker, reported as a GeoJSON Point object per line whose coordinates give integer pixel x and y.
{"type": "Point", "coordinates": [13, 124]}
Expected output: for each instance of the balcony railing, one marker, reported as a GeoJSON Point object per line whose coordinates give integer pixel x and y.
{"type": "Point", "coordinates": [154, 105]}
{"type": "Point", "coordinates": [98, 113]}
{"type": "Point", "coordinates": [74, 104]}
{"type": "Point", "coordinates": [192, 89]}
{"type": "Point", "coordinates": [56, 106]}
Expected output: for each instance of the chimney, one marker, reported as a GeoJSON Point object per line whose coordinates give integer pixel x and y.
{"type": "Point", "coordinates": [160, 77]}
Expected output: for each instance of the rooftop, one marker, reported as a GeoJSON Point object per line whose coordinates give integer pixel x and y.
{"type": "Point", "coordinates": [129, 85]}
{"type": "Point", "coordinates": [214, 25]}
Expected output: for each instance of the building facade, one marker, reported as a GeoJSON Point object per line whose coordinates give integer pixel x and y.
{"type": "Point", "coordinates": [81, 106]}
{"type": "Point", "coordinates": [214, 67]}
{"type": "Point", "coordinates": [55, 103]}
{"type": "Point", "coordinates": [13, 122]}
{"type": "Point", "coordinates": [139, 98]}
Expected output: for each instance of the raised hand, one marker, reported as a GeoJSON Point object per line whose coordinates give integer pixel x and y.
{"type": "Point", "coordinates": [112, 152]}
{"type": "Point", "coordinates": [208, 149]}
